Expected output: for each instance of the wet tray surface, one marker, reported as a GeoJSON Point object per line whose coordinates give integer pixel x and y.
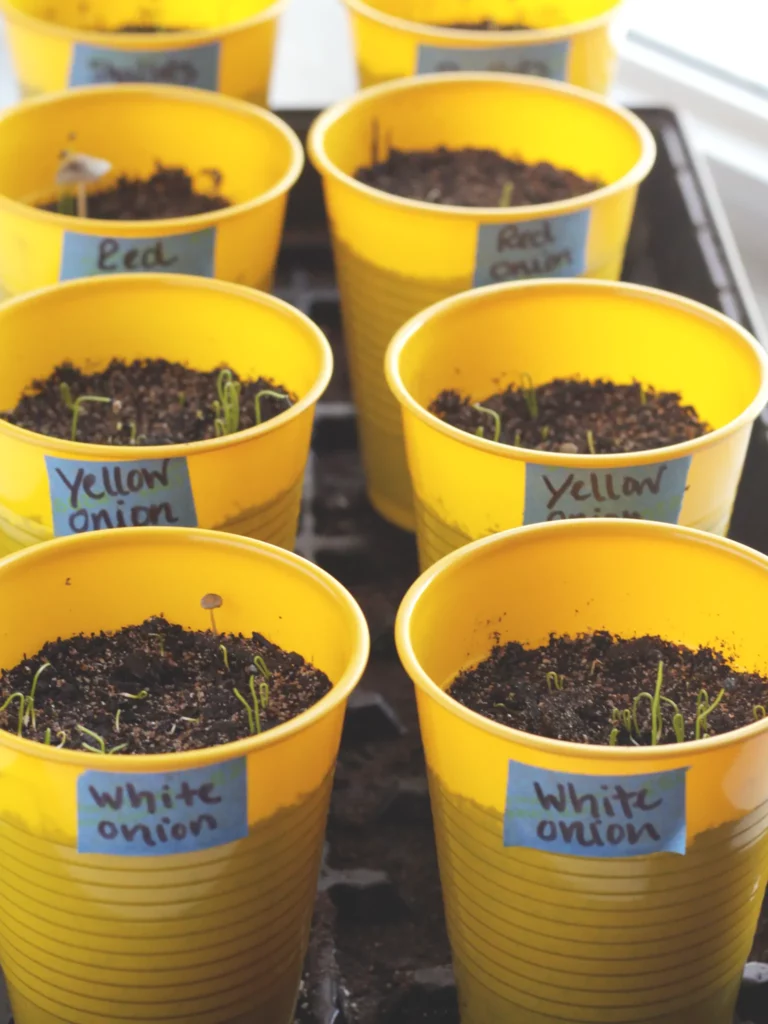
{"type": "Point", "coordinates": [379, 953]}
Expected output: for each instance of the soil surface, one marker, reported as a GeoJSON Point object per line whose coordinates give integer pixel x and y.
{"type": "Point", "coordinates": [575, 416]}
{"type": "Point", "coordinates": [489, 25]}
{"type": "Point", "coordinates": [158, 688]}
{"type": "Point", "coordinates": [582, 689]}
{"type": "Point", "coordinates": [152, 402]}
{"type": "Point", "coordinates": [471, 177]}
{"type": "Point", "coordinates": [169, 192]}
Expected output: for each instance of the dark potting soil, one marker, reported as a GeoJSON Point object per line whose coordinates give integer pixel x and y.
{"type": "Point", "coordinates": [169, 192]}
{"type": "Point", "coordinates": [471, 177]}
{"type": "Point", "coordinates": [576, 416]}
{"type": "Point", "coordinates": [489, 25]}
{"type": "Point", "coordinates": [158, 688]}
{"type": "Point", "coordinates": [153, 402]}
{"type": "Point", "coordinates": [582, 689]}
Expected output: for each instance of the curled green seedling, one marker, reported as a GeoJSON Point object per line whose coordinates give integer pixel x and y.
{"type": "Point", "coordinates": [101, 746]}
{"type": "Point", "coordinates": [266, 393]}
{"type": "Point", "coordinates": [758, 712]}
{"type": "Point", "coordinates": [227, 408]}
{"type": "Point", "coordinates": [141, 695]}
{"type": "Point", "coordinates": [494, 417]}
{"type": "Point", "coordinates": [225, 656]}
{"type": "Point", "coordinates": [703, 710]}
{"type": "Point", "coordinates": [555, 682]}
{"type": "Point", "coordinates": [261, 666]}
{"type": "Point", "coordinates": [22, 705]}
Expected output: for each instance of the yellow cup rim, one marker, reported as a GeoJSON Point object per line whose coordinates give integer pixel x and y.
{"type": "Point", "coordinates": [158, 536]}
{"type": "Point", "coordinates": [185, 37]}
{"type": "Point", "coordinates": [111, 453]}
{"type": "Point", "coordinates": [316, 145]}
{"type": "Point", "coordinates": [576, 285]}
{"type": "Point", "coordinates": [170, 225]}
{"type": "Point", "coordinates": [506, 37]}
{"type": "Point", "coordinates": [634, 531]}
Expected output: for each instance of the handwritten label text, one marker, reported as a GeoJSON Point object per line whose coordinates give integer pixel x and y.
{"type": "Point", "coordinates": [88, 496]}
{"type": "Point", "coordinates": [654, 491]}
{"type": "Point", "coordinates": [547, 60]}
{"type": "Point", "coordinates": [196, 66]}
{"type": "Point", "coordinates": [595, 816]}
{"type": "Point", "coordinates": [550, 247]}
{"type": "Point", "coordinates": [93, 256]}
{"type": "Point", "coordinates": [153, 815]}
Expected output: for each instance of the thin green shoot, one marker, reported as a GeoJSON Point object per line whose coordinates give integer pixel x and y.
{"type": "Point", "coordinates": [517, 438]}
{"type": "Point", "coordinates": [494, 416]}
{"type": "Point", "coordinates": [225, 656]}
{"type": "Point", "coordinates": [264, 694]}
{"type": "Point", "coordinates": [261, 665]}
{"type": "Point", "coordinates": [22, 704]}
{"type": "Point", "coordinates": [255, 699]}
{"type": "Point", "coordinates": [101, 747]}
{"type": "Point", "coordinates": [117, 720]}
{"type": "Point", "coordinates": [758, 712]}
{"type": "Point", "coordinates": [530, 395]}
{"type": "Point", "coordinates": [141, 695]}
{"type": "Point", "coordinates": [75, 405]}
{"type": "Point", "coordinates": [678, 724]}
{"type": "Point", "coordinates": [657, 722]}
{"type": "Point", "coordinates": [279, 396]}
{"type": "Point", "coordinates": [507, 191]}
{"type": "Point", "coordinates": [613, 739]}
{"type": "Point", "coordinates": [160, 642]}
{"type": "Point", "coordinates": [184, 718]}
{"type": "Point", "coordinates": [29, 714]}
{"type": "Point", "coordinates": [544, 433]}
{"type": "Point", "coordinates": [249, 710]}
{"type": "Point", "coordinates": [47, 740]}
{"type": "Point", "coordinates": [703, 710]}
{"type": "Point", "coordinates": [643, 396]}
{"type": "Point", "coordinates": [593, 666]}
{"type": "Point", "coordinates": [227, 408]}
{"type": "Point", "coordinates": [591, 443]}
{"type": "Point", "coordinates": [132, 427]}
{"type": "Point", "coordinates": [554, 681]}
{"type": "Point", "coordinates": [182, 397]}
{"type": "Point", "coordinates": [63, 739]}
{"type": "Point", "coordinates": [480, 432]}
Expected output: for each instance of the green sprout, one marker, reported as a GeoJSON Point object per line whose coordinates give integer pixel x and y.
{"type": "Point", "coordinates": [254, 714]}
{"type": "Point", "coordinates": [613, 739]}
{"type": "Point", "coordinates": [193, 720]}
{"type": "Point", "coordinates": [593, 666]}
{"type": "Point", "coordinates": [678, 724]}
{"type": "Point", "coordinates": [643, 396]}
{"type": "Point", "coordinates": [141, 695]}
{"type": "Point", "coordinates": [225, 656]}
{"type": "Point", "coordinates": [132, 428]}
{"type": "Point", "coordinates": [227, 408]}
{"type": "Point", "coordinates": [160, 642]}
{"type": "Point", "coordinates": [517, 438]}
{"type": "Point", "coordinates": [22, 704]}
{"type": "Point", "coordinates": [267, 394]}
{"type": "Point", "coordinates": [544, 433]}
{"type": "Point", "coordinates": [758, 712]}
{"type": "Point", "coordinates": [494, 416]}
{"type": "Point", "coordinates": [75, 405]}
{"type": "Point", "coordinates": [591, 443]}
{"type": "Point", "coordinates": [657, 722]}
{"type": "Point", "coordinates": [29, 713]}
{"type": "Point", "coordinates": [703, 710]}
{"type": "Point", "coordinates": [507, 191]}
{"type": "Point", "coordinates": [530, 395]}
{"type": "Point", "coordinates": [101, 747]}
{"type": "Point", "coordinates": [554, 681]}
{"type": "Point", "coordinates": [47, 740]}
{"type": "Point", "coordinates": [264, 694]}
{"type": "Point", "coordinates": [261, 665]}
{"type": "Point", "coordinates": [63, 739]}
{"type": "Point", "coordinates": [117, 720]}
{"type": "Point", "coordinates": [182, 398]}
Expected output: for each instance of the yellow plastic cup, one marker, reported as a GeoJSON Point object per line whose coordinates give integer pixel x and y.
{"type": "Point", "coordinates": [604, 937]}
{"type": "Point", "coordinates": [567, 40]}
{"type": "Point", "coordinates": [226, 46]}
{"type": "Point", "coordinates": [167, 932]}
{"type": "Point", "coordinates": [478, 343]}
{"type": "Point", "coordinates": [395, 257]}
{"type": "Point", "coordinates": [248, 483]}
{"type": "Point", "coordinates": [134, 126]}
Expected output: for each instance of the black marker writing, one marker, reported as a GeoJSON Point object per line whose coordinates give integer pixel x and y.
{"type": "Point", "coordinates": [121, 255]}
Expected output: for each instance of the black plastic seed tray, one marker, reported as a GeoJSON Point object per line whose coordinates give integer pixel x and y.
{"type": "Point", "coordinates": [379, 953]}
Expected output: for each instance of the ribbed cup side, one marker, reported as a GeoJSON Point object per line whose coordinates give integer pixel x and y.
{"type": "Point", "coordinates": [541, 938]}
{"type": "Point", "coordinates": [215, 937]}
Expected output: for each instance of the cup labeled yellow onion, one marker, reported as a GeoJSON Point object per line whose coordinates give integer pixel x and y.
{"type": "Point", "coordinates": [213, 934]}
{"type": "Point", "coordinates": [481, 342]}
{"type": "Point", "coordinates": [568, 40]}
{"type": "Point", "coordinates": [226, 47]}
{"type": "Point", "coordinates": [606, 937]}
{"type": "Point", "coordinates": [224, 144]}
{"type": "Point", "coordinates": [248, 482]}
{"type": "Point", "coordinates": [396, 256]}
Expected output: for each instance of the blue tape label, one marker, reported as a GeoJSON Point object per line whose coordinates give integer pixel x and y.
{"type": "Point", "coordinates": [196, 66]}
{"type": "Point", "coordinates": [550, 247]}
{"type": "Point", "coordinates": [156, 815]}
{"type": "Point", "coordinates": [89, 496]}
{"type": "Point", "coordinates": [93, 255]}
{"type": "Point", "coordinates": [595, 816]}
{"type": "Point", "coordinates": [547, 60]}
{"type": "Point", "coordinates": [653, 491]}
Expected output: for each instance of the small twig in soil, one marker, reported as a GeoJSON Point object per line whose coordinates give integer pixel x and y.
{"type": "Point", "coordinates": [703, 710]}
{"type": "Point", "coordinates": [494, 416]}
{"type": "Point", "coordinates": [530, 395]}
{"type": "Point", "coordinates": [75, 405]}
{"type": "Point", "coordinates": [267, 394]}
{"type": "Point", "coordinates": [208, 603]}
{"type": "Point", "coordinates": [102, 746]}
